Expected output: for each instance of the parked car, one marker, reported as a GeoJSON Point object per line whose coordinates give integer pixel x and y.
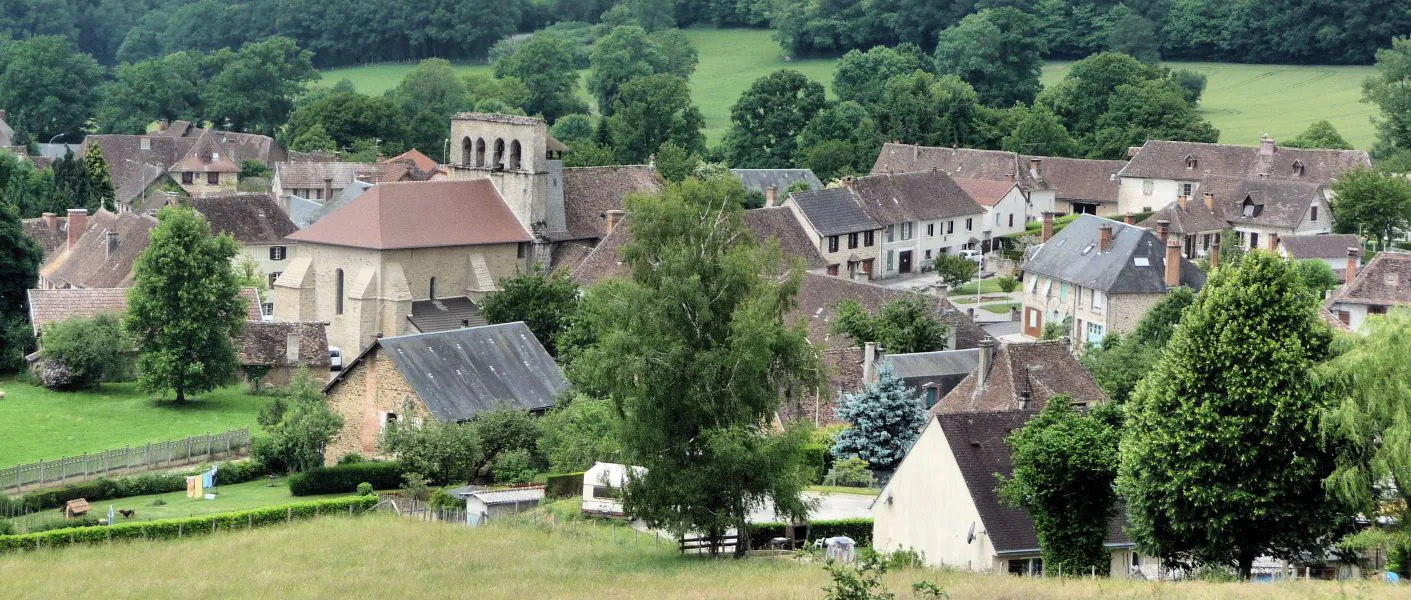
{"type": "Point", "coordinates": [972, 255]}
{"type": "Point", "coordinates": [335, 359]}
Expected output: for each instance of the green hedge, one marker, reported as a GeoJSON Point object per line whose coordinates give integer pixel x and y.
{"type": "Point", "coordinates": [175, 528]}
{"type": "Point", "coordinates": [563, 485]}
{"type": "Point", "coordinates": [146, 484]}
{"type": "Point", "coordinates": [344, 479]}
{"type": "Point", "coordinates": [860, 530]}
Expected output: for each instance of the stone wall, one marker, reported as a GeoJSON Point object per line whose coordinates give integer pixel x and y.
{"type": "Point", "coordinates": [367, 393]}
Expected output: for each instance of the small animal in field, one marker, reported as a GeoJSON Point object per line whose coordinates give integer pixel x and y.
{"type": "Point", "coordinates": [127, 513]}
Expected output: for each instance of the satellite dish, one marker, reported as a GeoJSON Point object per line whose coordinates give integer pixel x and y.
{"type": "Point", "coordinates": [970, 535]}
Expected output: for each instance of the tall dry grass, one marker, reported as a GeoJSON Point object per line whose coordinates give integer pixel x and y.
{"type": "Point", "coordinates": [384, 556]}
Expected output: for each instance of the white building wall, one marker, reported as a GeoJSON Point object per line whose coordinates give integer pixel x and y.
{"type": "Point", "coordinates": [1041, 201]}
{"type": "Point", "coordinates": [1357, 313]}
{"type": "Point", "coordinates": [1133, 196]}
{"type": "Point", "coordinates": [997, 217]}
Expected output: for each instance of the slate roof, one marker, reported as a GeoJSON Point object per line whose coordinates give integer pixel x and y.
{"type": "Point", "coordinates": [1325, 246]}
{"type": "Point", "coordinates": [1279, 203]}
{"type": "Point", "coordinates": [779, 223]}
{"type": "Point", "coordinates": [1072, 255]}
{"type": "Point", "coordinates": [932, 364]}
{"type": "Point", "coordinates": [442, 314]}
{"type": "Point", "coordinates": [1044, 369]}
{"type": "Point", "coordinates": [991, 165]}
{"type": "Point", "coordinates": [312, 214]}
{"type": "Point", "coordinates": [89, 264]}
{"type": "Point", "coordinates": [984, 192]}
{"type": "Point", "coordinates": [589, 192]}
{"type": "Point", "coordinates": [52, 305]}
{"type": "Point", "coordinates": [461, 373]}
{"type": "Point", "coordinates": [207, 155]}
{"type": "Point", "coordinates": [1194, 218]}
{"type": "Point", "coordinates": [922, 196]}
{"type": "Point", "coordinates": [266, 343]}
{"type": "Point", "coordinates": [1081, 179]}
{"type": "Point", "coordinates": [59, 150]}
{"type": "Point", "coordinates": [51, 240]}
{"type": "Point", "coordinates": [249, 218]}
{"type": "Point", "coordinates": [1159, 159]}
{"type": "Point", "coordinates": [425, 214]}
{"type": "Point", "coordinates": [833, 211]}
{"type": "Point", "coordinates": [1385, 281]}
{"type": "Point", "coordinates": [303, 212]}
{"type": "Point", "coordinates": [758, 179]}
{"type": "Point", "coordinates": [310, 174]}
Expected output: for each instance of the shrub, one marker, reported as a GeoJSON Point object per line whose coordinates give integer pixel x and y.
{"type": "Point", "coordinates": [815, 456]}
{"type": "Point", "coordinates": [344, 479]}
{"type": "Point", "coordinates": [351, 458]}
{"type": "Point", "coordinates": [443, 499]}
{"type": "Point", "coordinates": [364, 489]}
{"type": "Point", "coordinates": [515, 466]}
{"type": "Point", "coordinates": [1006, 283]}
{"type": "Point", "coordinates": [65, 524]}
{"type": "Point", "coordinates": [563, 485]}
{"type": "Point", "coordinates": [850, 472]}
{"type": "Point", "coordinates": [54, 375]}
{"type": "Point", "coordinates": [7, 528]}
{"type": "Point", "coordinates": [860, 530]}
{"type": "Point", "coordinates": [90, 350]}
{"type": "Point", "coordinates": [240, 471]}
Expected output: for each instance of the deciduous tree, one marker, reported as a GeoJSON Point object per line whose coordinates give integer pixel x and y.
{"type": "Point", "coordinates": [19, 272]}
{"type": "Point", "coordinates": [544, 301]}
{"type": "Point", "coordinates": [921, 108]}
{"type": "Point", "coordinates": [651, 111]}
{"type": "Point", "coordinates": [859, 76]}
{"type": "Point", "coordinates": [1371, 204]}
{"type": "Point", "coordinates": [996, 51]}
{"type": "Point", "coordinates": [954, 270]}
{"type": "Point", "coordinates": [297, 438]}
{"type": "Point", "coordinates": [47, 89]}
{"type": "Point", "coordinates": [255, 89]}
{"type": "Point", "coordinates": [766, 121]}
{"type": "Point", "coordinates": [92, 350]}
{"type": "Point", "coordinates": [1320, 134]}
{"type": "Point", "coordinates": [544, 63]}
{"type": "Point", "coordinates": [907, 324]}
{"type": "Point", "coordinates": [574, 436]}
{"type": "Point", "coordinates": [1040, 132]}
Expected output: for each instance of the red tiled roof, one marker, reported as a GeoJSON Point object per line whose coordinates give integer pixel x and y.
{"type": "Point", "coordinates": [425, 214]}
{"type": "Point", "coordinates": [422, 161]}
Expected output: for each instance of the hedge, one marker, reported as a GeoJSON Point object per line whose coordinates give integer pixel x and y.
{"type": "Point", "coordinates": [344, 479]}
{"type": "Point", "coordinates": [176, 528]}
{"type": "Point", "coordinates": [860, 530]}
{"type": "Point", "coordinates": [145, 484]}
{"type": "Point", "coordinates": [563, 485]}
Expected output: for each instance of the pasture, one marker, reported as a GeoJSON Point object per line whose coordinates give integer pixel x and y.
{"type": "Point", "coordinates": [1243, 101]}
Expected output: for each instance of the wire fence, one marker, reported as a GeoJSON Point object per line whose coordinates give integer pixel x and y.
{"type": "Point", "coordinates": [158, 455]}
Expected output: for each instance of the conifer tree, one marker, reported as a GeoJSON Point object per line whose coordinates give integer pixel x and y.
{"type": "Point", "coordinates": [886, 419]}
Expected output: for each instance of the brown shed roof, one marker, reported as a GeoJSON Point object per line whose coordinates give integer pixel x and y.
{"type": "Point", "coordinates": [267, 344]}
{"type": "Point", "coordinates": [589, 192]}
{"type": "Point", "coordinates": [1044, 369]}
{"type": "Point", "coordinates": [779, 223]}
{"type": "Point", "coordinates": [422, 161]}
{"type": "Point", "coordinates": [249, 218]}
{"type": "Point", "coordinates": [1080, 179]}
{"type": "Point", "coordinates": [424, 214]}
{"type": "Point", "coordinates": [1385, 281]}
{"type": "Point", "coordinates": [1326, 246]}
{"type": "Point", "coordinates": [50, 239]}
{"type": "Point", "coordinates": [310, 174]}
{"type": "Point", "coordinates": [1192, 219]}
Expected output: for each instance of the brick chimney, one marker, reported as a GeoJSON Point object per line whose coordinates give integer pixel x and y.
{"type": "Point", "coordinates": [1181, 201]}
{"type": "Point", "coordinates": [1104, 237]}
{"type": "Point", "coordinates": [1173, 263]}
{"type": "Point", "coordinates": [1266, 146]}
{"type": "Point", "coordinates": [987, 358]}
{"type": "Point", "coordinates": [613, 217]}
{"type": "Point", "coordinates": [1034, 166]}
{"type": "Point", "coordinates": [1210, 201]}
{"type": "Point", "coordinates": [1215, 252]}
{"type": "Point", "coordinates": [1048, 225]}
{"type": "Point", "coordinates": [850, 181]}
{"type": "Point", "coordinates": [1163, 227]}
{"type": "Point", "coordinates": [78, 223]}
{"type": "Point", "coordinates": [51, 222]}
{"type": "Point", "coordinates": [1130, 219]}
{"type": "Point", "coordinates": [327, 189]}
{"type": "Point", "coordinates": [771, 195]}
{"type": "Point", "coordinates": [1352, 263]}
{"type": "Point", "coordinates": [112, 244]}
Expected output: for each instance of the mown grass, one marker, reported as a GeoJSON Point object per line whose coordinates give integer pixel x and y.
{"type": "Point", "coordinates": [987, 286]}
{"type": "Point", "coordinates": [1243, 101]}
{"type": "Point", "coordinates": [842, 489]}
{"type": "Point", "coordinates": [386, 556]}
{"type": "Point", "coordinates": [1000, 307]}
{"type": "Point", "coordinates": [36, 423]}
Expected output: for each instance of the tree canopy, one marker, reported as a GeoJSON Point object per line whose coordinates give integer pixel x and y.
{"type": "Point", "coordinates": [544, 63]}
{"type": "Point", "coordinates": [545, 302]}
{"type": "Point", "coordinates": [1372, 204]}
{"type": "Point", "coordinates": [905, 325]}
{"type": "Point", "coordinates": [998, 52]}
{"type": "Point", "coordinates": [47, 89]}
{"type": "Point", "coordinates": [767, 119]}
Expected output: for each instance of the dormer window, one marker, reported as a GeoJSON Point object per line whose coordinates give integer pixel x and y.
{"type": "Point", "coordinates": [1298, 168]}
{"type": "Point", "coordinates": [1249, 209]}
{"type": "Point", "coordinates": [215, 156]}
{"type": "Point", "coordinates": [1191, 162]}
{"type": "Point", "coordinates": [1390, 279]}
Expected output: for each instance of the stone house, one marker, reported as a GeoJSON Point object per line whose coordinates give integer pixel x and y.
{"type": "Point", "coordinates": [274, 352]}
{"type": "Point", "coordinates": [1161, 171]}
{"type": "Point", "coordinates": [100, 250]}
{"type": "Point", "coordinates": [1019, 377]}
{"type": "Point", "coordinates": [450, 376]}
{"type": "Point", "coordinates": [1103, 275]}
{"type": "Point", "coordinates": [1263, 210]}
{"type": "Point", "coordinates": [1332, 249]}
{"type": "Point", "coordinates": [206, 168]}
{"type": "Point", "coordinates": [257, 224]}
{"type": "Point", "coordinates": [319, 181]}
{"type": "Point", "coordinates": [369, 266]}
{"type": "Point", "coordinates": [1384, 283]}
{"type": "Point", "coordinates": [145, 172]}
{"type": "Point", "coordinates": [241, 146]}
{"type": "Point", "coordinates": [943, 502]}
{"type": "Point", "coordinates": [968, 163]}
{"type": "Point", "coordinates": [841, 231]}
{"type": "Point", "coordinates": [923, 215]}
{"type": "Point", "coordinates": [1196, 224]}
{"type": "Point", "coordinates": [1080, 185]}
{"type": "Point", "coordinates": [930, 375]}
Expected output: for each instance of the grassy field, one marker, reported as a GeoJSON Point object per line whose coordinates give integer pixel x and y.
{"type": "Point", "coordinates": [36, 423]}
{"type": "Point", "coordinates": [1243, 101]}
{"type": "Point", "coordinates": [385, 556]}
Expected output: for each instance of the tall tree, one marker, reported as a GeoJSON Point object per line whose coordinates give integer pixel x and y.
{"type": "Point", "coordinates": [348, 118]}
{"type": "Point", "coordinates": [905, 325]}
{"type": "Point", "coordinates": [19, 272]}
{"type": "Point", "coordinates": [254, 91]}
{"type": "Point", "coordinates": [628, 52]}
{"type": "Point", "coordinates": [1082, 97]}
{"type": "Point", "coordinates": [766, 121]}
{"type": "Point", "coordinates": [298, 439]}
{"type": "Point", "coordinates": [1372, 204]}
{"type": "Point", "coordinates": [100, 183]}
{"type": "Point", "coordinates": [1221, 461]}
{"type": "Point", "coordinates": [1064, 465]}
{"type": "Point", "coordinates": [1151, 110]}
{"type": "Point", "coordinates": [48, 89]}
{"type": "Point", "coordinates": [884, 418]}
{"type": "Point", "coordinates": [859, 76]}
{"type": "Point", "coordinates": [545, 302]}
{"type": "Point", "coordinates": [1319, 134]}
{"type": "Point", "coordinates": [1388, 88]}
{"type": "Point", "coordinates": [840, 140]}
{"type": "Point", "coordinates": [184, 310]}
{"type": "Point", "coordinates": [651, 111]}
{"type": "Point", "coordinates": [1133, 34]}
{"type": "Point", "coordinates": [1039, 131]}
{"type": "Point", "coordinates": [921, 108]}
{"type": "Point", "coordinates": [694, 351]}
{"type": "Point", "coordinates": [544, 63]}
{"type": "Point", "coordinates": [998, 52]}
{"type": "Point", "coordinates": [1120, 362]}
{"type": "Point", "coordinates": [160, 88]}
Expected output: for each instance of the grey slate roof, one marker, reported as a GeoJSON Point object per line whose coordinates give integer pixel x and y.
{"type": "Point", "coordinates": [921, 196]}
{"type": "Point", "coordinates": [445, 313]}
{"type": "Point", "coordinates": [462, 373]}
{"type": "Point", "coordinates": [1327, 246]}
{"type": "Point", "coordinates": [302, 212]}
{"type": "Point", "coordinates": [319, 211]}
{"type": "Point", "coordinates": [1278, 203]}
{"type": "Point", "coordinates": [759, 179]}
{"type": "Point", "coordinates": [931, 364]}
{"type": "Point", "coordinates": [833, 211]}
{"type": "Point", "coordinates": [1072, 255]}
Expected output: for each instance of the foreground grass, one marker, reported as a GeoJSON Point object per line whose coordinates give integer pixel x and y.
{"type": "Point", "coordinates": [36, 423]}
{"type": "Point", "coordinates": [385, 556]}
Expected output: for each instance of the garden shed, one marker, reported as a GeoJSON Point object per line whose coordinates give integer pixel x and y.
{"type": "Point", "coordinates": [483, 505]}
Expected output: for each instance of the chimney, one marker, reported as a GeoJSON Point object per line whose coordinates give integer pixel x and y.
{"type": "Point", "coordinates": [1181, 200]}
{"type": "Point", "coordinates": [869, 362]}
{"type": "Point", "coordinates": [987, 358]}
{"type": "Point", "coordinates": [771, 195]}
{"type": "Point", "coordinates": [1215, 252]}
{"type": "Point", "coordinates": [1173, 263]}
{"type": "Point", "coordinates": [614, 217]}
{"type": "Point", "coordinates": [165, 124]}
{"type": "Point", "coordinates": [1352, 264]}
{"type": "Point", "coordinates": [1034, 164]}
{"type": "Point", "coordinates": [1048, 225]}
{"type": "Point", "coordinates": [51, 222]}
{"type": "Point", "coordinates": [78, 223]}
{"type": "Point", "coordinates": [1266, 145]}
{"type": "Point", "coordinates": [291, 348]}
{"type": "Point", "coordinates": [1162, 228]}
{"type": "Point", "coordinates": [850, 181]}
{"type": "Point", "coordinates": [1024, 400]}
{"type": "Point", "coordinates": [1130, 219]}
{"type": "Point", "coordinates": [1210, 201]}
{"type": "Point", "coordinates": [327, 189]}
{"type": "Point", "coordinates": [112, 243]}
{"type": "Point", "coordinates": [1104, 237]}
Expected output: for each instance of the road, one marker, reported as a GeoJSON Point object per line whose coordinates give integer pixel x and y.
{"type": "Point", "coordinates": [830, 507]}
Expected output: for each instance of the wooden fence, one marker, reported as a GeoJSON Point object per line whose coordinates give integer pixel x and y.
{"type": "Point", "coordinates": [174, 453]}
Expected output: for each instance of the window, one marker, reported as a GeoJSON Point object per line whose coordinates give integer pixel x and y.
{"type": "Point", "coordinates": [1186, 189]}
{"type": "Point", "coordinates": [338, 292]}
{"type": "Point", "coordinates": [833, 270]}
{"type": "Point", "coordinates": [928, 255]}
{"type": "Point", "coordinates": [1098, 299]}
{"type": "Point", "coordinates": [1148, 186]}
{"type": "Point", "coordinates": [276, 252]}
{"type": "Point", "coordinates": [388, 419]}
{"type": "Point", "coordinates": [273, 277]}
{"type": "Point", "coordinates": [514, 156]}
{"type": "Point", "coordinates": [1253, 239]}
{"type": "Point", "coordinates": [521, 250]}
{"type": "Point", "coordinates": [1033, 283]}
{"type": "Point", "coordinates": [950, 227]}
{"type": "Point", "coordinates": [188, 178]}
{"type": "Point", "coordinates": [832, 243]}
{"type": "Point", "coordinates": [1011, 219]}
{"type": "Point", "coordinates": [1298, 168]}
{"type": "Point", "coordinates": [931, 395]}
{"type": "Point", "coordinates": [969, 223]}
{"type": "Point", "coordinates": [1313, 213]}
{"type": "Point", "coordinates": [1191, 161]}
{"type": "Point", "coordinates": [1095, 332]}
{"type": "Point", "coordinates": [467, 151]}
{"type": "Point", "coordinates": [891, 233]}
{"type": "Point", "coordinates": [431, 289]}
{"type": "Point", "coordinates": [212, 178]}
{"type": "Point", "coordinates": [852, 241]}
{"type": "Point", "coordinates": [1062, 291]}
{"type": "Point", "coordinates": [889, 260]}
{"type": "Point", "coordinates": [602, 491]}
{"type": "Point", "coordinates": [930, 230]}
{"type": "Point", "coordinates": [905, 231]}
{"type": "Point", "coordinates": [867, 239]}
{"type": "Point", "coordinates": [1376, 309]}
{"type": "Point", "coordinates": [267, 309]}
{"type": "Point", "coordinates": [997, 218]}
{"type": "Point", "coordinates": [480, 152]}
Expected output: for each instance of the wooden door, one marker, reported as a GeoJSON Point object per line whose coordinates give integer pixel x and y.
{"type": "Point", "coordinates": [1033, 322]}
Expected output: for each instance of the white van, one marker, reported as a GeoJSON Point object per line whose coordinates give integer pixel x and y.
{"type": "Point", "coordinates": [335, 359]}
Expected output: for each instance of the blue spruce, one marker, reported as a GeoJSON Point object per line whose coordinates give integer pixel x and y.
{"type": "Point", "coordinates": [886, 419]}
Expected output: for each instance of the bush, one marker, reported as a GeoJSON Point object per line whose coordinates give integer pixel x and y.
{"type": "Point", "coordinates": [54, 375]}
{"type": "Point", "coordinates": [860, 530]}
{"type": "Point", "coordinates": [65, 524]}
{"type": "Point", "coordinates": [7, 528]}
{"type": "Point", "coordinates": [515, 466]}
{"type": "Point", "coordinates": [364, 489]}
{"type": "Point", "coordinates": [351, 458]}
{"type": "Point", "coordinates": [563, 485]}
{"type": "Point", "coordinates": [815, 455]}
{"type": "Point", "coordinates": [240, 471]}
{"type": "Point", "coordinates": [850, 472]}
{"type": "Point", "coordinates": [443, 499]}
{"type": "Point", "coordinates": [175, 528]}
{"type": "Point", "coordinates": [83, 352]}
{"type": "Point", "coordinates": [344, 479]}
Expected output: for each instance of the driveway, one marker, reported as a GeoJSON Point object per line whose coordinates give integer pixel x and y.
{"type": "Point", "coordinates": [830, 507]}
